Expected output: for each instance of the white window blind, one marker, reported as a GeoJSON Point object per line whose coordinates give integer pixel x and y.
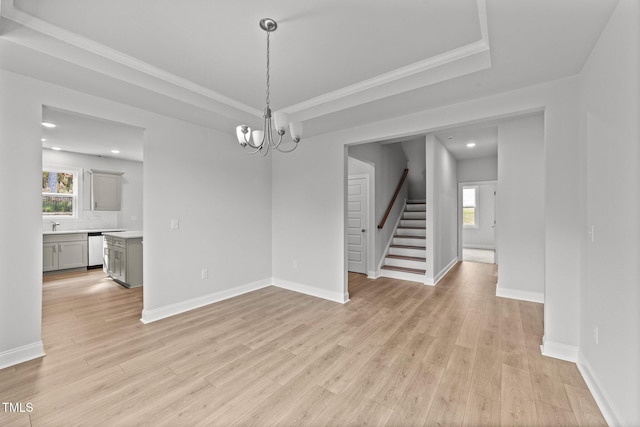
{"type": "Point", "coordinates": [469, 197]}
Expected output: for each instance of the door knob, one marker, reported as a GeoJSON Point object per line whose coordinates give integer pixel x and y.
{"type": "Point", "coordinates": [363, 230]}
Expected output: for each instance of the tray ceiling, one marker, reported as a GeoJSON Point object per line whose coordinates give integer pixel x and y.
{"type": "Point", "coordinates": [334, 63]}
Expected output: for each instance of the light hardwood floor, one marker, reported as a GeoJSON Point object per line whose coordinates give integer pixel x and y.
{"type": "Point", "coordinates": [399, 353]}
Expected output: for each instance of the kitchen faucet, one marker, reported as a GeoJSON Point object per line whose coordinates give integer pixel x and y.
{"type": "Point", "coordinates": [54, 225]}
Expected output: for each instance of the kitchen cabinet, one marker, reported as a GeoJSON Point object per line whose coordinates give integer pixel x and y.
{"type": "Point", "coordinates": [106, 190]}
{"type": "Point", "coordinates": [62, 252]}
{"type": "Point", "coordinates": [123, 257]}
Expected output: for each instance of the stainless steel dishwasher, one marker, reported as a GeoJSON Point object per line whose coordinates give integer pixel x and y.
{"type": "Point", "coordinates": [95, 249]}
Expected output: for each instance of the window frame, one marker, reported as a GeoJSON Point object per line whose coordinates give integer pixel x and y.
{"type": "Point", "coordinates": [476, 218]}
{"type": "Point", "coordinates": [75, 196]}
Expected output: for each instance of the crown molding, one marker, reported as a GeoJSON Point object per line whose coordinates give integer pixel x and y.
{"type": "Point", "coordinates": [422, 67]}
{"type": "Point", "coordinates": [463, 60]}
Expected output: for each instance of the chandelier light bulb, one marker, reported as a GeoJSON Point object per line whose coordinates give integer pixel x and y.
{"type": "Point", "coordinates": [258, 137]}
{"type": "Point", "coordinates": [296, 131]}
{"type": "Point", "coordinates": [282, 121]}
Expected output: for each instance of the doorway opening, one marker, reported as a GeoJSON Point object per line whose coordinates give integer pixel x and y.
{"type": "Point", "coordinates": [92, 184]}
{"type": "Point", "coordinates": [478, 221]}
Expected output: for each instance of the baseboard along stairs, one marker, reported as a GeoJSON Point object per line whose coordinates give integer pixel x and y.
{"type": "Point", "coordinates": [406, 258]}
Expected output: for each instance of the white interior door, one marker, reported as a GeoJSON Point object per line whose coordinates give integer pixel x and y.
{"type": "Point", "coordinates": [357, 220]}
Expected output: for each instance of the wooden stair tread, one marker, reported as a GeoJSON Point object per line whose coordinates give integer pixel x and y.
{"type": "Point", "coordinates": [416, 203]}
{"type": "Point", "coordinates": [404, 269]}
{"type": "Point", "coordinates": [409, 237]}
{"type": "Point", "coordinates": [408, 247]}
{"type": "Point", "coordinates": [408, 258]}
{"type": "Point", "coordinates": [411, 228]}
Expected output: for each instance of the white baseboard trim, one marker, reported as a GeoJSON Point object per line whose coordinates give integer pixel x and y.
{"type": "Point", "coordinates": [21, 354]}
{"type": "Point", "coordinates": [559, 351]}
{"type": "Point", "coordinates": [445, 270]}
{"type": "Point", "coordinates": [429, 281]}
{"type": "Point", "coordinates": [156, 314]}
{"type": "Point", "coordinates": [373, 274]}
{"type": "Point", "coordinates": [341, 297]}
{"type": "Point", "coordinates": [519, 294]}
{"type": "Point", "coordinates": [605, 404]}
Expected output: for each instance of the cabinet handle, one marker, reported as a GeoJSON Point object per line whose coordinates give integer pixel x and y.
{"type": "Point", "coordinates": [59, 247]}
{"type": "Point", "coordinates": [54, 248]}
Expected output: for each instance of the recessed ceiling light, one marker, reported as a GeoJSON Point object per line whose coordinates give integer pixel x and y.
{"type": "Point", "coordinates": [115, 151]}
{"type": "Point", "coordinates": [450, 137]}
{"type": "Point", "coordinates": [43, 139]}
{"type": "Point", "coordinates": [56, 148]}
{"type": "Point", "coordinates": [48, 125]}
{"type": "Point", "coordinates": [471, 144]}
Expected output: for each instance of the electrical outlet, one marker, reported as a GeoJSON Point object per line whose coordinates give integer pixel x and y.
{"type": "Point", "coordinates": [175, 223]}
{"type": "Point", "coordinates": [294, 264]}
{"type": "Point", "coordinates": [595, 334]}
{"type": "Point", "coordinates": [204, 273]}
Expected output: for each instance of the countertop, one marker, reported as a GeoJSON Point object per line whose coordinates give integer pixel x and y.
{"type": "Point", "coordinates": [125, 234]}
{"type": "Point", "coordinates": [95, 230]}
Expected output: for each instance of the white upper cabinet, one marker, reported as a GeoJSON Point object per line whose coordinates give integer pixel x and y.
{"type": "Point", "coordinates": [106, 190]}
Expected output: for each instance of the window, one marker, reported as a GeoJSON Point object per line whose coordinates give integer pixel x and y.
{"type": "Point", "coordinates": [469, 207]}
{"type": "Point", "coordinates": [59, 193]}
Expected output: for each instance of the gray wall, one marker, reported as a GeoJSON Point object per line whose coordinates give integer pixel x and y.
{"type": "Point", "coordinates": [484, 169]}
{"type": "Point", "coordinates": [520, 207]}
{"type": "Point", "coordinates": [610, 292]}
{"type": "Point", "coordinates": [416, 179]}
{"type": "Point", "coordinates": [442, 208]}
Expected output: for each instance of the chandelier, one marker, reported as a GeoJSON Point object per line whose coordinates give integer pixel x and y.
{"type": "Point", "coordinates": [261, 141]}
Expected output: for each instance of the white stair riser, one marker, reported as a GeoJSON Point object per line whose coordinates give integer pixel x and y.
{"type": "Point", "coordinates": [416, 207]}
{"type": "Point", "coordinates": [408, 252]}
{"type": "Point", "coordinates": [403, 275]}
{"type": "Point", "coordinates": [405, 241]}
{"type": "Point", "coordinates": [414, 215]}
{"type": "Point", "coordinates": [412, 232]}
{"type": "Point", "coordinates": [413, 223]}
{"type": "Point", "coordinates": [421, 265]}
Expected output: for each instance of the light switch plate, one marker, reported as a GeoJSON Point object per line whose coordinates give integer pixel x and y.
{"type": "Point", "coordinates": [175, 223]}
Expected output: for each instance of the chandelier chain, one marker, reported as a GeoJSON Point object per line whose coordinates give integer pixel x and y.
{"type": "Point", "coordinates": [268, 80]}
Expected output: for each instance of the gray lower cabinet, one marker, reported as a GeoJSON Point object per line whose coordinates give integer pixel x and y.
{"type": "Point", "coordinates": [62, 252]}
{"type": "Point", "coordinates": [123, 260]}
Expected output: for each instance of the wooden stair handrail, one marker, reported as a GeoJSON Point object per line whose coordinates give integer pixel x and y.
{"type": "Point", "coordinates": [393, 199]}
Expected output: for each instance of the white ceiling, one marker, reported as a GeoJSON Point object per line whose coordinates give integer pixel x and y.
{"type": "Point", "coordinates": [335, 64]}
{"type": "Point", "coordinates": [90, 135]}
{"type": "Point", "coordinates": [485, 136]}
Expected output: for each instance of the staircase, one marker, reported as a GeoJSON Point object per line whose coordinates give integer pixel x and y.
{"type": "Point", "coordinates": [406, 257]}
